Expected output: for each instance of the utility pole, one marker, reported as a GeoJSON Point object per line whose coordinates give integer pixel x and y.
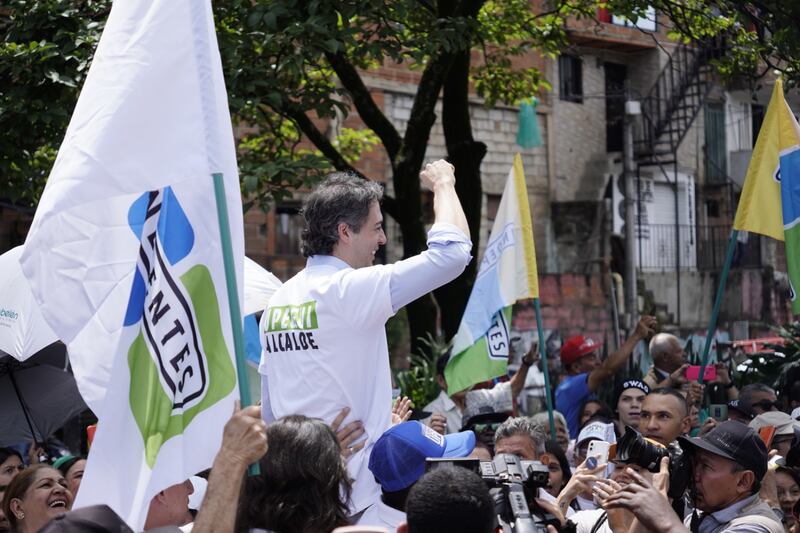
{"type": "Point", "coordinates": [632, 108]}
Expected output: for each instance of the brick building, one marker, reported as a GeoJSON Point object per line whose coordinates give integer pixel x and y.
{"type": "Point", "coordinates": [688, 190]}
{"type": "Point", "coordinates": [687, 181]}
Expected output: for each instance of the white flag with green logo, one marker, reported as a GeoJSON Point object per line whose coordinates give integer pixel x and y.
{"type": "Point", "coordinates": [124, 253]}
{"type": "Point", "coordinates": [507, 273]}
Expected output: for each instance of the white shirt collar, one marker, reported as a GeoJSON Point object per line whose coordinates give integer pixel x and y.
{"type": "Point", "coordinates": [326, 260]}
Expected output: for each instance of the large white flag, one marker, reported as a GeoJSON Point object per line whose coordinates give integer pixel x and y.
{"type": "Point", "coordinates": [124, 253]}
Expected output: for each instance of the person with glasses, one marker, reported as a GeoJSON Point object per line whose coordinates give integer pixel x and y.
{"type": "Point", "coordinates": [486, 409]}
{"type": "Point", "coordinates": [760, 397]}
{"type": "Point", "coordinates": [785, 427]}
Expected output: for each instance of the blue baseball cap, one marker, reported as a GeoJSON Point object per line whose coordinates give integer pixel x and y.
{"type": "Point", "coordinates": [398, 457]}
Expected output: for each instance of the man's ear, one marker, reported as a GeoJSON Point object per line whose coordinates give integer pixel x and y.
{"type": "Point", "coordinates": [344, 231]}
{"type": "Point", "coordinates": [745, 483]}
{"type": "Point", "coordinates": [686, 424]}
{"type": "Point", "coordinates": [402, 528]}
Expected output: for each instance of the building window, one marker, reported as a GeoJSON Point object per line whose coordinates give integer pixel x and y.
{"type": "Point", "coordinates": [570, 78]}
{"type": "Point", "coordinates": [492, 205]}
{"type": "Point", "coordinates": [757, 113]}
{"type": "Point", "coordinates": [615, 105]}
{"type": "Point", "coordinates": [647, 22]}
{"type": "Point", "coordinates": [716, 147]}
{"type": "Point", "coordinates": [289, 224]}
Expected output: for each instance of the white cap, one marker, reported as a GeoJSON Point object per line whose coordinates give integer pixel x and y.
{"type": "Point", "coordinates": [597, 431]}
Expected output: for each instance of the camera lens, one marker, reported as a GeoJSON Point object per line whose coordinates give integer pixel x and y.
{"type": "Point", "coordinates": [633, 448]}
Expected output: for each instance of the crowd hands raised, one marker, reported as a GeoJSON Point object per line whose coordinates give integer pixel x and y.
{"type": "Point", "coordinates": [476, 461]}
{"type": "Point", "coordinates": [632, 468]}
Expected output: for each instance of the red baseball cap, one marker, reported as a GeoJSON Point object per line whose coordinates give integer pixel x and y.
{"type": "Point", "coordinates": [576, 347]}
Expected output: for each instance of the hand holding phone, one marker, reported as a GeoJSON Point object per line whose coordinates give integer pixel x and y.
{"type": "Point", "coordinates": [598, 449]}
{"type": "Point", "coordinates": [719, 411]}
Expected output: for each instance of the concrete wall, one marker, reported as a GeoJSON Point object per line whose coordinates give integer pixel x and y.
{"type": "Point", "coordinates": [755, 295]}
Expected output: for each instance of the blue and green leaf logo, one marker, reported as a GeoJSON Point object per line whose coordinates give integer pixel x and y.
{"type": "Point", "coordinates": [179, 363]}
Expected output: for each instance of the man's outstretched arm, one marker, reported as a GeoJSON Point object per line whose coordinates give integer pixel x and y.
{"type": "Point", "coordinates": [449, 244]}
{"type": "Point", "coordinates": [440, 178]}
{"type": "Point", "coordinates": [615, 361]}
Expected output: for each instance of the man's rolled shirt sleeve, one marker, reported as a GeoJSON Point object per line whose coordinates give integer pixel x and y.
{"type": "Point", "coordinates": [447, 256]}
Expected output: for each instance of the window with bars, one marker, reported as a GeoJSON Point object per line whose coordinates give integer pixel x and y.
{"type": "Point", "coordinates": [570, 78]}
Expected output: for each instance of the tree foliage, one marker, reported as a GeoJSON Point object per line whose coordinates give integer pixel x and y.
{"type": "Point", "coordinates": [295, 69]}
{"type": "Point", "coordinates": [45, 53]}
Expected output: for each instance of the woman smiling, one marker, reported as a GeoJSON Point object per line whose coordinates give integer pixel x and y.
{"type": "Point", "coordinates": [35, 496]}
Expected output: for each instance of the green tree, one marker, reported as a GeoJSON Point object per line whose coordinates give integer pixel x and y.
{"type": "Point", "coordinates": [291, 66]}
{"type": "Point", "coordinates": [45, 53]}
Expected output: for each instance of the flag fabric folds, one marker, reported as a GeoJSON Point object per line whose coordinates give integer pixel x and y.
{"type": "Point", "coordinates": [124, 253]}
{"type": "Point", "coordinates": [507, 273]}
{"type": "Point", "coordinates": [773, 179]}
{"type": "Point", "coordinates": [761, 195]}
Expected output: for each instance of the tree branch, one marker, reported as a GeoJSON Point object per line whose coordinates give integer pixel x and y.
{"type": "Point", "coordinates": [369, 111]}
{"type": "Point", "coordinates": [389, 204]}
{"type": "Point", "coordinates": [321, 141]}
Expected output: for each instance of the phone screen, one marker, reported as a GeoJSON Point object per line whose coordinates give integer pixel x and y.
{"type": "Point", "coordinates": [718, 411]}
{"type": "Point", "coordinates": [693, 372]}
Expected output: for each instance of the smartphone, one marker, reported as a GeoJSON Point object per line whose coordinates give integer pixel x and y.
{"type": "Point", "coordinates": [693, 372]}
{"type": "Point", "coordinates": [599, 450]}
{"type": "Point", "coordinates": [718, 411]}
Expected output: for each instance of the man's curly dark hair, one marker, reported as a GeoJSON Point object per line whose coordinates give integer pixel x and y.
{"type": "Point", "coordinates": [341, 197]}
{"type": "Point", "coordinates": [304, 485]}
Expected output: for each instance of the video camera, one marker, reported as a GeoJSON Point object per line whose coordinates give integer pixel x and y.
{"type": "Point", "coordinates": [633, 448]}
{"type": "Point", "coordinates": [513, 484]}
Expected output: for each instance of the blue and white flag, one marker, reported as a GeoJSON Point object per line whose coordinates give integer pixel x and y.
{"type": "Point", "coordinates": [507, 273]}
{"type": "Point", "coordinates": [124, 253]}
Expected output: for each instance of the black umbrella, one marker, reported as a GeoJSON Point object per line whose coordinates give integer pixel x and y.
{"type": "Point", "coordinates": [38, 395]}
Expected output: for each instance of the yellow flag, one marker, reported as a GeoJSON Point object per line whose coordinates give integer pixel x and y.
{"type": "Point", "coordinates": [760, 204]}
{"type": "Point", "coordinates": [526, 222]}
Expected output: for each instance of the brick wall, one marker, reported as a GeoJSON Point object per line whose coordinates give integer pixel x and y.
{"type": "Point", "coordinates": [572, 304]}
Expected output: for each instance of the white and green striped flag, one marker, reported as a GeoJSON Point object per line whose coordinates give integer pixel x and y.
{"type": "Point", "coordinates": [507, 273]}
{"type": "Point", "coordinates": [125, 259]}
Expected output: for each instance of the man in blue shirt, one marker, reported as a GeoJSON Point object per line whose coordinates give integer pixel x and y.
{"type": "Point", "coordinates": [585, 372]}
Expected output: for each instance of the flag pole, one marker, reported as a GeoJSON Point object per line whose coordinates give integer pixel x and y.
{"type": "Point", "coordinates": [233, 296]}
{"type": "Point", "coordinates": [233, 291]}
{"type": "Point", "coordinates": [543, 353]}
{"type": "Point", "coordinates": [712, 325]}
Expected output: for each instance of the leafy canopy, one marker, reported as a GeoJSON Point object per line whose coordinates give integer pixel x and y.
{"type": "Point", "coordinates": [287, 65]}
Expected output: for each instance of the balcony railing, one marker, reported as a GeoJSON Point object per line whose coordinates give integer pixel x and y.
{"type": "Point", "coordinates": [701, 248]}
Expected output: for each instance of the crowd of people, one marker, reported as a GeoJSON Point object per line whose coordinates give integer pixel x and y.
{"type": "Point", "coordinates": [334, 451]}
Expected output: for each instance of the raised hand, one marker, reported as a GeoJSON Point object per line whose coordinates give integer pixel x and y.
{"type": "Point", "coordinates": [349, 434]}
